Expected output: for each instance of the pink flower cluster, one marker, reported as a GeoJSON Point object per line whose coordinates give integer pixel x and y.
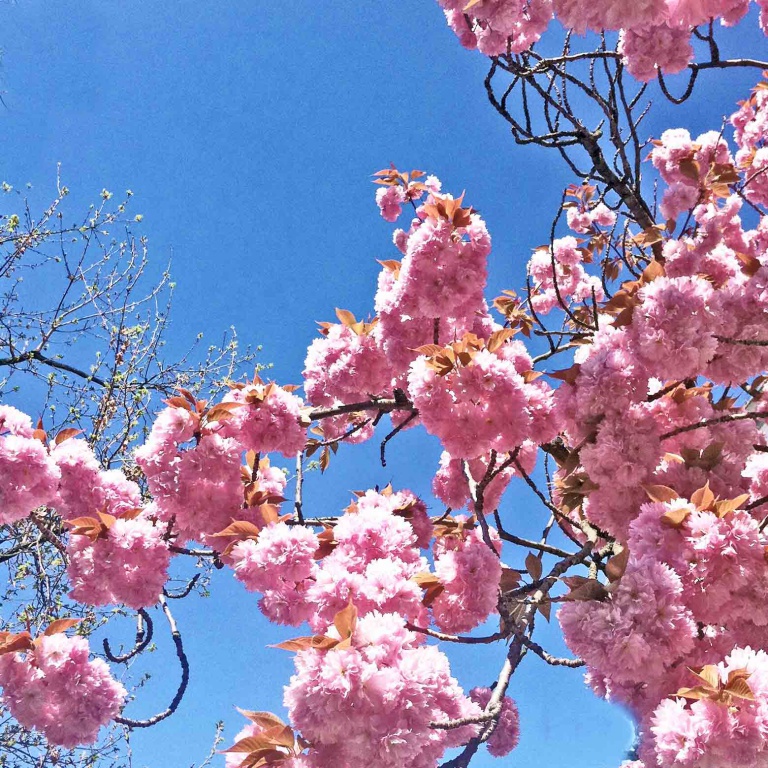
{"type": "Point", "coordinates": [435, 292]}
{"type": "Point", "coordinates": [756, 471]}
{"type": "Point", "coordinates": [507, 732]}
{"type": "Point", "coordinates": [65, 474]}
{"type": "Point", "coordinates": [653, 48]}
{"type": "Point", "coordinates": [497, 25]}
{"type": "Point", "coordinates": [279, 564]}
{"type": "Point", "coordinates": [199, 488]}
{"type": "Point", "coordinates": [54, 688]}
{"type": "Point", "coordinates": [127, 564]}
{"type": "Point", "coordinates": [568, 282]}
{"type": "Point", "coordinates": [633, 641]}
{"type": "Point", "coordinates": [469, 572]}
{"type": "Point", "coordinates": [29, 478]}
{"type": "Point", "coordinates": [451, 484]}
{"type": "Point", "coordinates": [684, 321]}
{"type": "Point", "coordinates": [719, 559]}
{"type": "Point", "coordinates": [438, 285]}
{"type": "Point", "coordinates": [716, 731]}
{"type": "Point", "coordinates": [583, 219]}
{"type": "Point", "coordinates": [269, 419]}
{"type": "Point", "coordinates": [390, 201]}
{"type": "Point", "coordinates": [85, 488]}
{"type": "Point", "coordinates": [376, 698]}
{"type": "Point", "coordinates": [656, 34]}
{"type": "Point", "coordinates": [346, 365]}
{"type": "Point", "coordinates": [750, 123]}
{"type": "Point", "coordinates": [372, 564]}
{"type": "Point", "coordinates": [685, 164]}
{"type": "Point", "coordinates": [673, 327]}
{"type": "Point", "coordinates": [480, 406]}
{"type": "Point", "coordinates": [695, 588]}
{"type": "Point", "coordinates": [370, 558]}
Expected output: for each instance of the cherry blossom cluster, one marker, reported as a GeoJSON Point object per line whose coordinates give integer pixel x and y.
{"type": "Point", "coordinates": [52, 686]}
{"type": "Point", "coordinates": [374, 691]}
{"type": "Point", "coordinates": [693, 591]}
{"type": "Point", "coordinates": [686, 164]}
{"type": "Point", "coordinates": [469, 572]}
{"type": "Point", "coordinates": [452, 486]}
{"type": "Point", "coordinates": [558, 275]}
{"type": "Point", "coordinates": [346, 365]}
{"type": "Point", "coordinates": [369, 563]}
{"type": "Point", "coordinates": [752, 156]}
{"type": "Point", "coordinates": [655, 34]}
{"type": "Point", "coordinates": [475, 397]}
{"type": "Point", "coordinates": [371, 557]}
{"type": "Point", "coordinates": [507, 732]}
{"type": "Point", "coordinates": [63, 473]}
{"type": "Point", "coordinates": [30, 478]}
{"type": "Point", "coordinates": [696, 311]}
{"type": "Point", "coordinates": [121, 560]}
{"type": "Point", "coordinates": [436, 291]}
{"type": "Point", "coordinates": [193, 456]}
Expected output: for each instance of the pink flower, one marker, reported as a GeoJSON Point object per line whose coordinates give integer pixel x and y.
{"type": "Point", "coordinates": [55, 689]}
{"type": "Point", "coordinates": [390, 201]}
{"type": "Point", "coordinates": [507, 732]}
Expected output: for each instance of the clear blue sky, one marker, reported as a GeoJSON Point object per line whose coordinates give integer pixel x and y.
{"type": "Point", "coordinates": [248, 132]}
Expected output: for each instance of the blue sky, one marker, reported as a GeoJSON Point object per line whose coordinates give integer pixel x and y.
{"type": "Point", "coordinates": [248, 132]}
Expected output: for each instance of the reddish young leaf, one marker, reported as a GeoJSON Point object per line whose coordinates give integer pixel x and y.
{"type": "Point", "coordinates": [582, 588]}
{"type": "Point", "coordinates": [327, 543]}
{"type": "Point", "coordinates": [250, 744]}
{"type": "Point", "coordinates": [709, 674]}
{"type": "Point", "coordinates": [178, 402]}
{"type": "Point", "coordinates": [703, 498]}
{"type": "Point", "coordinates": [429, 350]}
{"type": "Point", "coordinates": [675, 518]}
{"type": "Point", "coordinates": [498, 338]}
{"type": "Point", "coordinates": [615, 567]}
{"type": "Point", "coordinates": [319, 642]}
{"type": "Point", "coordinates": [240, 528]}
{"type": "Point", "coordinates": [568, 375]}
{"type": "Point", "coordinates": [66, 434]}
{"type": "Point", "coordinates": [726, 506]}
{"type": "Point", "coordinates": [660, 493]}
{"type": "Point", "coordinates": [345, 317]}
{"type": "Point", "coordinates": [325, 459]}
{"type": "Point", "coordinates": [262, 719]}
{"type": "Point", "coordinates": [345, 621]}
{"type": "Point", "coordinates": [60, 625]}
{"type": "Point", "coordinates": [509, 579]}
{"type": "Point", "coordinates": [533, 566]}
{"type": "Point", "coordinates": [11, 643]}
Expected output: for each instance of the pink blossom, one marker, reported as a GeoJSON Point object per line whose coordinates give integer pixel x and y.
{"type": "Point", "coordinates": [710, 732]}
{"type": "Point", "coordinates": [469, 571]}
{"type": "Point", "coordinates": [269, 420]}
{"type": "Point", "coordinates": [673, 327]}
{"type": "Point", "coordinates": [28, 478]}
{"type": "Point", "coordinates": [472, 409]}
{"type": "Point", "coordinates": [55, 689]}
{"type": "Point", "coordinates": [128, 565]}
{"type": "Point", "coordinates": [377, 698]}
{"type": "Point", "coordinates": [390, 201]}
{"type": "Point", "coordinates": [507, 732]}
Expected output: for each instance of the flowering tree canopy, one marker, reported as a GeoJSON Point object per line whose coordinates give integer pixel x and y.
{"type": "Point", "coordinates": [622, 383]}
